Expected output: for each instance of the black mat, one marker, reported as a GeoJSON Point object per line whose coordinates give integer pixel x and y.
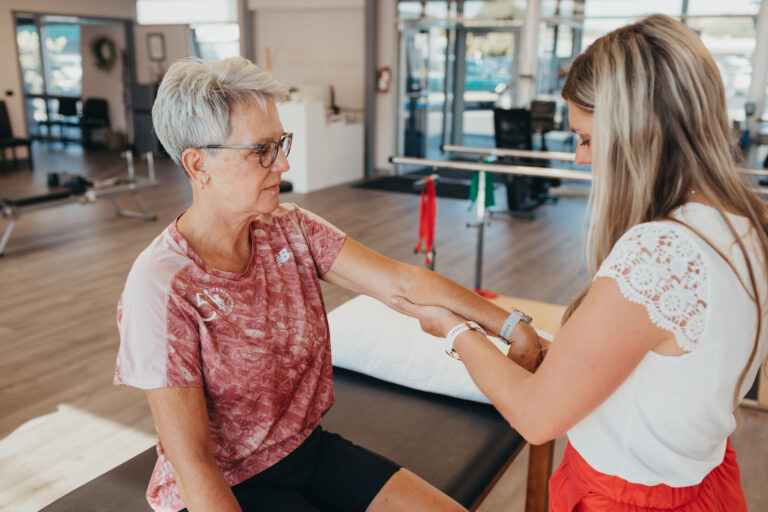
{"type": "Point", "coordinates": [453, 188]}
{"type": "Point", "coordinates": [457, 445]}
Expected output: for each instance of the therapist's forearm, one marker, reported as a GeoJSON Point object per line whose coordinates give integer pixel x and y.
{"type": "Point", "coordinates": [509, 387]}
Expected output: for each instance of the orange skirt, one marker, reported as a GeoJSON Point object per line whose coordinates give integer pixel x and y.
{"type": "Point", "coordinates": [577, 487]}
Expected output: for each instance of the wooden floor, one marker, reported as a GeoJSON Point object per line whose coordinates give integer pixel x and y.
{"type": "Point", "coordinates": [61, 420]}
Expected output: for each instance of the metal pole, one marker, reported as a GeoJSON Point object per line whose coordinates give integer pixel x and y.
{"type": "Point", "coordinates": [150, 165]}
{"type": "Point", "coordinates": [529, 56]}
{"type": "Point", "coordinates": [479, 255]}
{"type": "Point", "coordinates": [129, 158]}
{"type": "Point", "coordinates": [480, 230]}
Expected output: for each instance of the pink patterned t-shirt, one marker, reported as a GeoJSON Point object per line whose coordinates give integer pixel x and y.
{"type": "Point", "coordinates": [257, 342]}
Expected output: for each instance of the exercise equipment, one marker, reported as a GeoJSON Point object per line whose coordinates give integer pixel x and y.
{"type": "Point", "coordinates": [68, 189]}
{"type": "Point", "coordinates": [460, 446]}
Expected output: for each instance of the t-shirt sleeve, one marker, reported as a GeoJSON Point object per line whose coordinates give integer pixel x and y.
{"type": "Point", "coordinates": [159, 340]}
{"type": "Point", "coordinates": [657, 266]}
{"type": "Point", "coordinates": [323, 238]}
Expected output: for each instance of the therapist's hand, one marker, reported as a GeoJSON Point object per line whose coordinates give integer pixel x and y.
{"type": "Point", "coordinates": [434, 320]}
{"type": "Point", "coordinates": [526, 348]}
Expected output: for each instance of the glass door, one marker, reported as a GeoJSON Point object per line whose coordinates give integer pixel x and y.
{"type": "Point", "coordinates": [51, 67]}
{"type": "Point", "coordinates": [485, 76]}
{"type": "Point", "coordinates": [424, 98]}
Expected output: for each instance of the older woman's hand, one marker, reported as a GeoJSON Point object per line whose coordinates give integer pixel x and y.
{"type": "Point", "coordinates": [434, 320]}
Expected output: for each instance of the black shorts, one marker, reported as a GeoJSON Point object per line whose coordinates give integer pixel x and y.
{"type": "Point", "coordinates": [326, 472]}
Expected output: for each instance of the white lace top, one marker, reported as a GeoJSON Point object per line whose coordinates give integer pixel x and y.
{"type": "Point", "coordinates": [668, 422]}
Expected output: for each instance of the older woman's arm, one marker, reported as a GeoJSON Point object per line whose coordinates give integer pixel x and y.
{"type": "Point", "coordinates": [181, 419]}
{"type": "Point", "coordinates": [365, 271]}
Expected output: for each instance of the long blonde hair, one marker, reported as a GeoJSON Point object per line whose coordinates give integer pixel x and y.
{"type": "Point", "coordinates": [660, 128]}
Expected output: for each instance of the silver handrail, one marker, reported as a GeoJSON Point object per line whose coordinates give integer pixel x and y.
{"type": "Point", "coordinates": [518, 170]}
{"type": "Point", "coordinates": [524, 153]}
{"type": "Point", "coordinates": [547, 155]}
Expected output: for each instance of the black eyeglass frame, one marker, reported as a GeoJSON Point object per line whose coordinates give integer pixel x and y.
{"type": "Point", "coordinates": [259, 147]}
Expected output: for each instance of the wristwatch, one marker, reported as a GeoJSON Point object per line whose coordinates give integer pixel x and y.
{"type": "Point", "coordinates": [468, 325]}
{"type": "Point", "coordinates": [515, 316]}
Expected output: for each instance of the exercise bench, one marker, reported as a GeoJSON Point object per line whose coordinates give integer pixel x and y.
{"type": "Point", "coordinates": [82, 192]}
{"type": "Point", "coordinates": [460, 446]}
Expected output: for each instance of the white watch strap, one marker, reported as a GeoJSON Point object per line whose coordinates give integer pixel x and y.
{"type": "Point", "coordinates": [458, 329]}
{"type": "Point", "coordinates": [455, 331]}
{"type": "Point", "coordinates": [513, 319]}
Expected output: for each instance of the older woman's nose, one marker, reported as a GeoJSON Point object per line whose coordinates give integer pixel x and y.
{"type": "Point", "coordinates": [281, 162]}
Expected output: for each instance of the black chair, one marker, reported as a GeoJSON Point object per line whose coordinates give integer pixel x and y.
{"type": "Point", "coordinates": [514, 130]}
{"type": "Point", "coordinates": [66, 116]}
{"type": "Point", "coordinates": [7, 140]}
{"type": "Point", "coordinates": [543, 121]}
{"type": "Point", "coordinates": [95, 116]}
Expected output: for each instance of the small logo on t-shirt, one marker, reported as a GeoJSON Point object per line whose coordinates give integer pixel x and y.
{"type": "Point", "coordinates": [282, 257]}
{"type": "Point", "coordinates": [217, 299]}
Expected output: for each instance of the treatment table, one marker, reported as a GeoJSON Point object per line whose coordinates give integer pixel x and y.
{"type": "Point", "coordinates": [461, 447]}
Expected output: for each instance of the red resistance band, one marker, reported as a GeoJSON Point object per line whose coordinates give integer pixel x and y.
{"type": "Point", "coordinates": [427, 215]}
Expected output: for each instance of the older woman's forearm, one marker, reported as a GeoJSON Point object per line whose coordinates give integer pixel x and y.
{"type": "Point", "coordinates": [203, 488]}
{"type": "Point", "coordinates": [426, 287]}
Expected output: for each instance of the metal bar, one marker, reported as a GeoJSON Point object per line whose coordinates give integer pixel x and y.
{"type": "Point", "coordinates": [150, 165]}
{"type": "Point", "coordinates": [423, 181]}
{"type": "Point", "coordinates": [9, 229]}
{"type": "Point", "coordinates": [548, 155]}
{"type": "Point", "coordinates": [144, 214]}
{"type": "Point", "coordinates": [128, 154]}
{"type": "Point", "coordinates": [517, 170]}
{"type": "Point", "coordinates": [479, 254]}
{"type": "Point", "coordinates": [544, 155]}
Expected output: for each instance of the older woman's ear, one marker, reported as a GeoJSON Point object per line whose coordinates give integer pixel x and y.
{"type": "Point", "coordinates": [194, 163]}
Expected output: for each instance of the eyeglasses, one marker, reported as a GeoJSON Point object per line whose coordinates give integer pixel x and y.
{"type": "Point", "coordinates": [267, 151]}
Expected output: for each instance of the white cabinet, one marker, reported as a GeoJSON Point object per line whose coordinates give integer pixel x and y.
{"type": "Point", "coordinates": [323, 153]}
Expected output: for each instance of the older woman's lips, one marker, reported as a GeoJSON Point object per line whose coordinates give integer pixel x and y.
{"type": "Point", "coordinates": [275, 187]}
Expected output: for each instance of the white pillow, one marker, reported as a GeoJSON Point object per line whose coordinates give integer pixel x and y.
{"type": "Point", "coordinates": [370, 338]}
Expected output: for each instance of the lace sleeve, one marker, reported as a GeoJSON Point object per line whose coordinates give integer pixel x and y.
{"type": "Point", "coordinates": [657, 267]}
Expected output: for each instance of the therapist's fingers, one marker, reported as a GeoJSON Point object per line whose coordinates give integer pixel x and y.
{"type": "Point", "coordinates": [405, 306]}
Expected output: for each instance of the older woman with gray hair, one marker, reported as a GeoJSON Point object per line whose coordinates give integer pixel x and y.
{"type": "Point", "coordinates": [222, 321]}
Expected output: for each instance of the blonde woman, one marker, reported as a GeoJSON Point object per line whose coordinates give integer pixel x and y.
{"type": "Point", "coordinates": [647, 371]}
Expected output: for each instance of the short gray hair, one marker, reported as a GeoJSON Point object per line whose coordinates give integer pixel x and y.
{"type": "Point", "coordinates": [195, 99]}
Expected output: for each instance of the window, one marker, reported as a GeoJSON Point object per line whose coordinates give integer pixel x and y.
{"type": "Point", "coordinates": [28, 43]}
{"type": "Point", "coordinates": [64, 69]}
{"type": "Point", "coordinates": [731, 41]}
{"type": "Point", "coordinates": [216, 41]}
{"type": "Point", "coordinates": [727, 32]}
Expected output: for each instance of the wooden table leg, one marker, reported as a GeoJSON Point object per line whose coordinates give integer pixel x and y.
{"type": "Point", "coordinates": [539, 471]}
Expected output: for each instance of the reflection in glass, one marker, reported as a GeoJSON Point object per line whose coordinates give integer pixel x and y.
{"type": "Point", "coordinates": [731, 42]}
{"type": "Point", "coordinates": [36, 113]}
{"type": "Point", "coordinates": [28, 43]}
{"type": "Point", "coordinates": [697, 7]}
{"type": "Point", "coordinates": [64, 70]}
{"type": "Point", "coordinates": [491, 10]}
{"type": "Point", "coordinates": [632, 8]}
{"type": "Point", "coordinates": [216, 41]}
{"type": "Point", "coordinates": [490, 69]}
